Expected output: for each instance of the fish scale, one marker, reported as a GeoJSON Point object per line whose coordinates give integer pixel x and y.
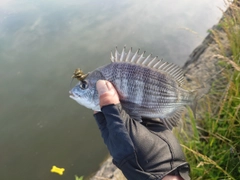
{"type": "Point", "coordinates": [130, 78]}
{"type": "Point", "coordinates": [147, 87]}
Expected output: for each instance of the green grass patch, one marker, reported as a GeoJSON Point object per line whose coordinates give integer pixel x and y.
{"type": "Point", "coordinates": [78, 178]}
{"type": "Point", "coordinates": [213, 147]}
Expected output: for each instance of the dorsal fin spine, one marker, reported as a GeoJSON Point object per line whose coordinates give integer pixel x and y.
{"type": "Point", "coordinates": [122, 54]}
{"type": "Point", "coordinates": [168, 68]}
{"type": "Point", "coordinates": [116, 54]}
{"type": "Point", "coordinates": [112, 57]}
{"type": "Point", "coordinates": [163, 63]}
{"type": "Point", "coordinates": [129, 54]}
{"type": "Point", "coordinates": [146, 59]}
{"type": "Point", "coordinates": [140, 58]}
{"type": "Point", "coordinates": [176, 73]}
{"type": "Point", "coordinates": [150, 62]}
{"type": "Point", "coordinates": [135, 55]}
{"type": "Point", "coordinates": [155, 65]}
{"type": "Point", "coordinates": [172, 69]}
{"type": "Point", "coordinates": [179, 76]}
{"type": "Point", "coordinates": [164, 68]}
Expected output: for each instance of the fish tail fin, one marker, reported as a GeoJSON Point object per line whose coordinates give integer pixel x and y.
{"type": "Point", "coordinates": [193, 107]}
{"type": "Point", "coordinates": [198, 94]}
{"type": "Point", "coordinates": [202, 91]}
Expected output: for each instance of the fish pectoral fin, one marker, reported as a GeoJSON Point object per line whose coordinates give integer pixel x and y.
{"type": "Point", "coordinates": [174, 119]}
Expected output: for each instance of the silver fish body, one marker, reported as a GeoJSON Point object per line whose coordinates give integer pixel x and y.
{"type": "Point", "coordinates": [147, 87]}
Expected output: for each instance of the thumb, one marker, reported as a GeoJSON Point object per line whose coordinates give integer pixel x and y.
{"type": "Point", "coordinates": [107, 93]}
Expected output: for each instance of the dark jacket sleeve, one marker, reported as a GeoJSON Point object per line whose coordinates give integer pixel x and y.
{"type": "Point", "coordinates": [140, 152]}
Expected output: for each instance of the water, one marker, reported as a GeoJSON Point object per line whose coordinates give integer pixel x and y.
{"type": "Point", "coordinates": [42, 42]}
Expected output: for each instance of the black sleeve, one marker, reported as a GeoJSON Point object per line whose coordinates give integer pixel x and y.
{"type": "Point", "coordinates": [140, 152]}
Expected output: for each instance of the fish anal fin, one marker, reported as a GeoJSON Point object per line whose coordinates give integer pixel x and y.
{"type": "Point", "coordinates": [173, 121]}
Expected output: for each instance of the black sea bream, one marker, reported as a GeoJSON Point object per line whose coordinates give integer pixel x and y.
{"type": "Point", "coordinates": [147, 87]}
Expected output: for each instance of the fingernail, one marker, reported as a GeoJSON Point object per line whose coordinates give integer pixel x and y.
{"type": "Point", "coordinates": [109, 85]}
{"type": "Point", "coordinates": [102, 87]}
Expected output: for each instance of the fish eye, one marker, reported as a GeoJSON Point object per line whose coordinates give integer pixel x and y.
{"type": "Point", "coordinates": [83, 85]}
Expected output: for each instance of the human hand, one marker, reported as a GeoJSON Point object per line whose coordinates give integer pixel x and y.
{"type": "Point", "coordinates": [140, 152]}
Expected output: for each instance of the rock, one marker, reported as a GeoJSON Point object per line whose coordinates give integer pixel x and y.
{"type": "Point", "coordinates": [108, 171]}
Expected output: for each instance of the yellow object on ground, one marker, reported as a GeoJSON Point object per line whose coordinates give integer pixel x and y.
{"type": "Point", "coordinates": [57, 170]}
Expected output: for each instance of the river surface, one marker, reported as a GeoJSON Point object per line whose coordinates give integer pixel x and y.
{"type": "Point", "coordinates": [43, 41]}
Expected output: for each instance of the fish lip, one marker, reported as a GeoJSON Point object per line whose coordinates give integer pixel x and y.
{"type": "Point", "coordinates": [71, 95]}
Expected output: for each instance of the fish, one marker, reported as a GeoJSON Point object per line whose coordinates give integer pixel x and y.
{"type": "Point", "coordinates": [147, 87]}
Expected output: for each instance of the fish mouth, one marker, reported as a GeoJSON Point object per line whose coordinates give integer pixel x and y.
{"type": "Point", "coordinates": [71, 95]}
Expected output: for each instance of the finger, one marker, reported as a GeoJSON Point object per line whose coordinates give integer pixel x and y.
{"type": "Point", "coordinates": [102, 87]}
{"type": "Point", "coordinates": [107, 93]}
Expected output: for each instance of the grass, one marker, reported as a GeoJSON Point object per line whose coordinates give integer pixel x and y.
{"type": "Point", "coordinates": [213, 147]}
{"type": "Point", "coordinates": [78, 178]}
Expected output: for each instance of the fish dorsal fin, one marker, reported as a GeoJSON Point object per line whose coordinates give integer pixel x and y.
{"type": "Point", "coordinates": [149, 61]}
